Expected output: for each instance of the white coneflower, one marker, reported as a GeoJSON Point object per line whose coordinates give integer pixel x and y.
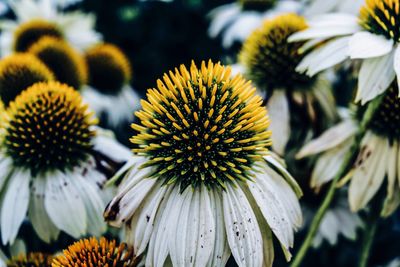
{"type": "Point", "coordinates": [377, 156]}
{"type": "Point", "coordinates": [203, 184]}
{"type": "Point", "coordinates": [38, 18]}
{"type": "Point", "coordinates": [49, 164]}
{"type": "Point", "coordinates": [317, 7]}
{"type": "Point", "coordinates": [109, 92]}
{"type": "Point", "coordinates": [234, 22]}
{"type": "Point", "coordinates": [373, 37]}
{"type": "Point", "coordinates": [269, 60]}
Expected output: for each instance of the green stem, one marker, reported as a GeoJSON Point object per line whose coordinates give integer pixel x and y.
{"type": "Point", "coordinates": [368, 115]}
{"type": "Point", "coordinates": [368, 240]}
{"type": "Point", "coordinates": [321, 211]}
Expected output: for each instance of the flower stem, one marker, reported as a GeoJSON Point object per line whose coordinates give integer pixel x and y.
{"type": "Point", "coordinates": [368, 115]}
{"type": "Point", "coordinates": [368, 240]}
{"type": "Point", "coordinates": [322, 210]}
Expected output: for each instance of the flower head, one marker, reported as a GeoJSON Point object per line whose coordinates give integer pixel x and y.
{"type": "Point", "coordinates": [109, 68]}
{"type": "Point", "coordinates": [92, 252]}
{"type": "Point", "coordinates": [201, 165]}
{"type": "Point", "coordinates": [48, 128]}
{"type": "Point", "coordinates": [18, 72]}
{"type": "Point", "coordinates": [30, 32]}
{"type": "Point", "coordinates": [382, 17]}
{"type": "Point", "coordinates": [269, 58]}
{"type": "Point", "coordinates": [202, 127]}
{"type": "Point", "coordinates": [34, 259]}
{"type": "Point", "coordinates": [67, 64]}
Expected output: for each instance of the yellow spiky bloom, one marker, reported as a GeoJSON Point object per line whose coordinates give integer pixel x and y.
{"type": "Point", "coordinates": [91, 252]}
{"type": "Point", "coordinates": [30, 32]}
{"type": "Point", "coordinates": [269, 58]}
{"type": "Point", "coordinates": [48, 127]}
{"type": "Point", "coordinates": [109, 68]}
{"type": "Point", "coordinates": [18, 72]}
{"type": "Point", "coordinates": [382, 17]}
{"type": "Point", "coordinates": [68, 65]}
{"type": "Point", "coordinates": [202, 126]}
{"type": "Point", "coordinates": [35, 259]}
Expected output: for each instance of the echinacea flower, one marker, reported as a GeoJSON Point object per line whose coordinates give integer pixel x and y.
{"type": "Point", "coordinates": [33, 259]}
{"type": "Point", "coordinates": [48, 148]}
{"type": "Point", "coordinates": [18, 72]}
{"type": "Point", "coordinates": [93, 252]}
{"type": "Point", "coordinates": [38, 18]}
{"type": "Point", "coordinates": [377, 157]}
{"type": "Point", "coordinates": [109, 92]}
{"type": "Point", "coordinates": [204, 184]}
{"type": "Point", "coordinates": [65, 62]}
{"type": "Point", "coordinates": [269, 60]}
{"type": "Point", "coordinates": [318, 7]}
{"type": "Point", "coordinates": [234, 22]}
{"type": "Point", "coordinates": [372, 37]}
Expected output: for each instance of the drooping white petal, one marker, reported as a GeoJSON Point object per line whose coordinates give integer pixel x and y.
{"type": "Point", "coordinates": [278, 108]}
{"type": "Point", "coordinates": [325, 57]}
{"type": "Point", "coordinates": [391, 203]}
{"type": "Point", "coordinates": [278, 204]}
{"type": "Point", "coordinates": [242, 229]}
{"type": "Point", "coordinates": [221, 251]}
{"type": "Point", "coordinates": [375, 76]}
{"type": "Point", "coordinates": [142, 225]}
{"type": "Point", "coordinates": [221, 17]}
{"type": "Point", "coordinates": [329, 227]}
{"type": "Point", "coordinates": [158, 246]}
{"type": "Point", "coordinates": [38, 216]}
{"type": "Point", "coordinates": [396, 64]}
{"type": "Point", "coordinates": [193, 233]}
{"type": "Point", "coordinates": [64, 205]}
{"type": "Point", "coordinates": [369, 45]}
{"type": "Point", "coordinates": [369, 171]}
{"type": "Point", "coordinates": [330, 139]}
{"type": "Point", "coordinates": [349, 222]}
{"type": "Point", "coordinates": [94, 205]}
{"type": "Point", "coordinates": [122, 207]}
{"type": "Point", "coordinates": [241, 28]}
{"type": "Point", "coordinates": [14, 205]}
{"type": "Point", "coordinates": [335, 19]}
{"type": "Point", "coordinates": [5, 167]}
{"type": "Point", "coordinates": [322, 92]}
{"type": "Point", "coordinates": [106, 143]}
{"type": "Point", "coordinates": [392, 162]}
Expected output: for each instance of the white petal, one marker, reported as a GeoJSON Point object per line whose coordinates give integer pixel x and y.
{"type": "Point", "coordinates": [369, 172]}
{"type": "Point", "coordinates": [278, 108]}
{"type": "Point", "coordinates": [325, 57]}
{"type": "Point", "coordinates": [329, 227]}
{"type": "Point", "coordinates": [193, 233]}
{"type": "Point", "coordinates": [243, 232]}
{"type": "Point", "coordinates": [221, 251]}
{"type": "Point", "coordinates": [396, 64]}
{"type": "Point", "coordinates": [14, 205]}
{"type": "Point", "coordinates": [241, 28]}
{"type": "Point", "coordinates": [278, 204]}
{"type": "Point", "coordinates": [392, 167]}
{"type": "Point", "coordinates": [335, 19]}
{"type": "Point", "coordinates": [158, 246]}
{"type": "Point", "coordinates": [106, 143]}
{"type": "Point", "coordinates": [368, 45]}
{"type": "Point", "coordinates": [38, 216]}
{"type": "Point", "coordinates": [142, 225]}
{"type": "Point", "coordinates": [221, 17]}
{"type": "Point", "coordinates": [64, 205]}
{"type": "Point", "coordinates": [376, 75]}
{"type": "Point", "coordinates": [330, 139]}
{"type": "Point", "coordinates": [123, 206]}
{"type": "Point", "coordinates": [94, 205]}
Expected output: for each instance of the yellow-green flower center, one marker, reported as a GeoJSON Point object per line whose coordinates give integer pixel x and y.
{"type": "Point", "coordinates": [48, 127]}
{"type": "Point", "coordinates": [202, 126]}
{"type": "Point", "coordinates": [68, 65]}
{"type": "Point", "coordinates": [30, 32]}
{"type": "Point", "coordinates": [91, 252]}
{"type": "Point", "coordinates": [18, 72]}
{"type": "Point", "coordinates": [269, 58]}
{"type": "Point", "coordinates": [109, 68]}
{"type": "Point", "coordinates": [34, 259]}
{"type": "Point", "coordinates": [382, 17]}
